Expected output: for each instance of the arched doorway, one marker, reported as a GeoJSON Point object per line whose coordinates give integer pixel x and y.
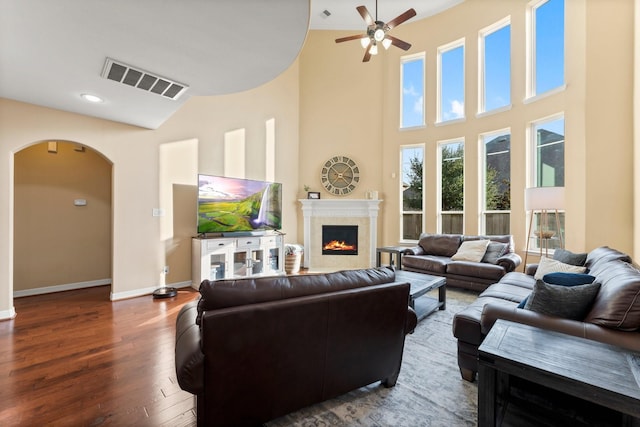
{"type": "Point", "coordinates": [62, 218]}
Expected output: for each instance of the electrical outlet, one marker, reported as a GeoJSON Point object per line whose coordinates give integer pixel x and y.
{"type": "Point", "coordinates": [165, 270]}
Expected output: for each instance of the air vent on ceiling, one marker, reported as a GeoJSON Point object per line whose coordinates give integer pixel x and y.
{"type": "Point", "coordinates": [136, 77]}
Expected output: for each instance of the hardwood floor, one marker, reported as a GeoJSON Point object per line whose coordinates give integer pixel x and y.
{"type": "Point", "coordinates": [77, 359]}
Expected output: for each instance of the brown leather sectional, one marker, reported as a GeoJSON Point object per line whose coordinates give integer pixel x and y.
{"type": "Point", "coordinates": [254, 349]}
{"type": "Point", "coordinates": [432, 255]}
{"type": "Point", "coordinates": [614, 317]}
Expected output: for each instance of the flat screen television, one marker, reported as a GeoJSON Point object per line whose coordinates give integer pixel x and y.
{"type": "Point", "coordinates": [228, 205]}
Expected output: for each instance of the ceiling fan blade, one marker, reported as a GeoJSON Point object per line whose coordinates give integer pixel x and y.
{"type": "Point", "coordinates": [399, 43]}
{"type": "Point", "coordinates": [348, 38]}
{"type": "Point", "coordinates": [401, 18]}
{"type": "Point", "coordinates": [366, 15]}
{"type": "Point", "coordinates": [367, 54]}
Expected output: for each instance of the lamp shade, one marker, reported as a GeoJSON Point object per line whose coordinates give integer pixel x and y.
{"type": "Point", "coordinates": [544, 198]}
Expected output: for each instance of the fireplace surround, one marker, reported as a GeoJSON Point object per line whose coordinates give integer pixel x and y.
{"type": "Point", "coordinates": [360, 212]}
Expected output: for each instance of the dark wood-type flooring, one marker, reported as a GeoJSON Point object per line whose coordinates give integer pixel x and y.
{"type": "Point", "coordinates": [77, 359]}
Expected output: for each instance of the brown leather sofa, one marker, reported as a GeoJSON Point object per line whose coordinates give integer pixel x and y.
{"type": "Point", "coordinates": [614, 317]}
{"type": "Point", "coordinates": [254, 349]}
{"type": "Point", "coordinates": [433, 255]}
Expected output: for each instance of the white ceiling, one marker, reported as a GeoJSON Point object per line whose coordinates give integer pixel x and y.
{"type": "Point", "coordinates": [51, 52]}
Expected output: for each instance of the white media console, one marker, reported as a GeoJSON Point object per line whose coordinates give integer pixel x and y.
{"type": "Point", "coordinates": [236, 257]}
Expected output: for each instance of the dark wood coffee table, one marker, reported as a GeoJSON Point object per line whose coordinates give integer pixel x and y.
{"type": "Point", "coordinates": [595, 372]}
{"type": "Point", "coordinates": [421, 284]}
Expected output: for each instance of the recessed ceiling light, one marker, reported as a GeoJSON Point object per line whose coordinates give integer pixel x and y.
{"type": "Point", "coordinates": [91, 98]}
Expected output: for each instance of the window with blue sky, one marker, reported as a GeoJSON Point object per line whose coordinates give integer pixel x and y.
{"type": "Point", "coordinates": [548, 45]}
{"type": "Point", "coordinates": [412, 94]}
{"type": "Point", "coordinates": [495, 66]}
{"type": "Point", "coordinates": [451, 81]}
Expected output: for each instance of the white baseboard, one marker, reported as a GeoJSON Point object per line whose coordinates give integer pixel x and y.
{"type": "Point", "coordinates": [8, 314]}
{"type": "Point", "coordinates": [89, 284]}
{"type": "Point", "coordinates": [145, 291]}
{"type": "Point", "coordinates": [60, 288]}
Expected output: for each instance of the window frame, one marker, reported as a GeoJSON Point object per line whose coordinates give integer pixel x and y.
{"type": "Point", "coordinates": [403, 60]}
{"type": "Point", "coordinates": [531, 53]}
{"type": "Point", "coordinates": [422, 146]}
{"type": "Point", "coordinates": [532, 177]}
{"type": "Point", "coordinates": [482, 35]}
{"type": "Point", "coordinates": [440, 52]}
{"type": "Point", "coordinates": [439, 209]}
{"type": "Point", "coordinates": [482, 203]}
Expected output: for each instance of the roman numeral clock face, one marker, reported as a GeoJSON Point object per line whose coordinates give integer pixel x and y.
{"type": "Point", "coordinates": [340, 175]}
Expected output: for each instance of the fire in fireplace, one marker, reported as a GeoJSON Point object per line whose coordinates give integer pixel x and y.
{"type": "Point", "coordinates": [339, 240]}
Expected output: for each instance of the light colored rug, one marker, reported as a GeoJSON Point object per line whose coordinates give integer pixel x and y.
{"type": "Point", "coordinates": [429, 391]}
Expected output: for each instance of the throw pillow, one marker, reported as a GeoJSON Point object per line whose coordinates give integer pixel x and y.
{"type": "Point", "coordinates": [563, 279]}
{"type": "Point", "coordinates": [569, 257]}
{"type": "Point", "coordinates": [494, 251]}
{"type": "Point", "coordinates": [569, 302]}
{"type": "Point", "coordinates": [548, 265]}
{"type": "Point", "coordinates": [568, 279]}
{"type": "Point", "coordinates": [471, 250]}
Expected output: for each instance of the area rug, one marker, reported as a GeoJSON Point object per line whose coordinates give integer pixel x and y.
{"type": "Point", "coordinates": [429, 391]}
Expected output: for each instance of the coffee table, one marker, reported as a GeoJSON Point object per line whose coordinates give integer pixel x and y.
{"type": "Point", "coordinates": [595, 372]}
{"type": "Point", "coordinates": [421, 284]}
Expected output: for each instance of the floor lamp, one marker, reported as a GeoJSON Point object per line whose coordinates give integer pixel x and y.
{"type": "Point", "coordinates": [543, 200]}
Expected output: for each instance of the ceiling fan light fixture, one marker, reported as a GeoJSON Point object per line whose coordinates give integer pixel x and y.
{"type": "Point", "coordinates": [378, 35]}
{"type": "Point", "coordinates": [365, 42]}
{"type": "Point", "coordinates": [374, 49]}
{"type": "Point", "coordinates": [386, 43]}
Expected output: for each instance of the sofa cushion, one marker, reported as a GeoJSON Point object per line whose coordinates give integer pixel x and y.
{"type": "Point", "coordinates": [569, 257]}
{"type": "Point", "coordinates": [548, 265]}
{"type": "Point", "coordinates": [617, 305]}
{"type": "Point", "coordinates": [472, 250]}
{"type": "Point", "coordinates": [569, 302]}
{"type": "Point", "coordinates": [475, 269]}
{"type": "Point", "coordinates": [494, 251]}
{"type": "Point", "coordinates": [440, 244]}
{"type": "Point", "coordinates": [506, 292]}
{"type": "Point", "coordinates": [427, 263]}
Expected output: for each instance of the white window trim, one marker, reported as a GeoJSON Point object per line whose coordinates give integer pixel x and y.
{"type": "Point", "coordinates": [441, 50]}
{"type": "Point", "coordinates": [439, 210]}
{"type": "Point", "coordinates": [482, 159]}
{"type": "Point", "coordinates": [530, 50]}
{"type": "Point", "coordinates": [403, 60]}
{"type": "Point", "coordinates": [400, 201]}
{"type": "Point", "coordinates": [482, 35]}
{"type": "Point", "coordinates": [532, 147]}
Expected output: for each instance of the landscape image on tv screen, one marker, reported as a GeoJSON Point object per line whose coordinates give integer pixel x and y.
{"type": "Point", "coordinates": [235, 205]}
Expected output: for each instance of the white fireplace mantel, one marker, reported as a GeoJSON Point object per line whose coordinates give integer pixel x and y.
{"type": "Point", "coordinates": [343, 209]}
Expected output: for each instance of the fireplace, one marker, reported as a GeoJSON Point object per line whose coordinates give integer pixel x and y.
{"type": "Point", "coordinates": [339, 240]}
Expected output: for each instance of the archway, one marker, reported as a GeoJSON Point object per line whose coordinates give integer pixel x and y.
{"type": "Point", "coordinates": [62, 218]}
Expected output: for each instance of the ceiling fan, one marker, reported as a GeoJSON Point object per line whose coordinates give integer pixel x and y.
{"type": "Point", "coordinates": [377, 32]}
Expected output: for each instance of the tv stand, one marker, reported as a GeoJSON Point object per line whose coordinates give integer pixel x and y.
{"type": "Point", "coordinates": [236, 256]}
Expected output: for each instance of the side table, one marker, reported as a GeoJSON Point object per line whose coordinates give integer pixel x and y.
{"type": "Point", "coordinates": [595, 372]}
{"type": "Point", "coordinates": [395, 254]}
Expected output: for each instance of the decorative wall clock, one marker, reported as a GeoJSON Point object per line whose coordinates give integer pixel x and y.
{"type": "Point", "coordinates": [340, 175]}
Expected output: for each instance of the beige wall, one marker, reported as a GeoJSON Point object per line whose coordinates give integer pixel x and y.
{"type": "Point", "coordinates": [329, 103]}
{"type": "Point", "coordinates": [351, 102]}
{"type": "Point", "coordinates": [139, 249]}
{"type": "Point", "coordinates": [56, 242]}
